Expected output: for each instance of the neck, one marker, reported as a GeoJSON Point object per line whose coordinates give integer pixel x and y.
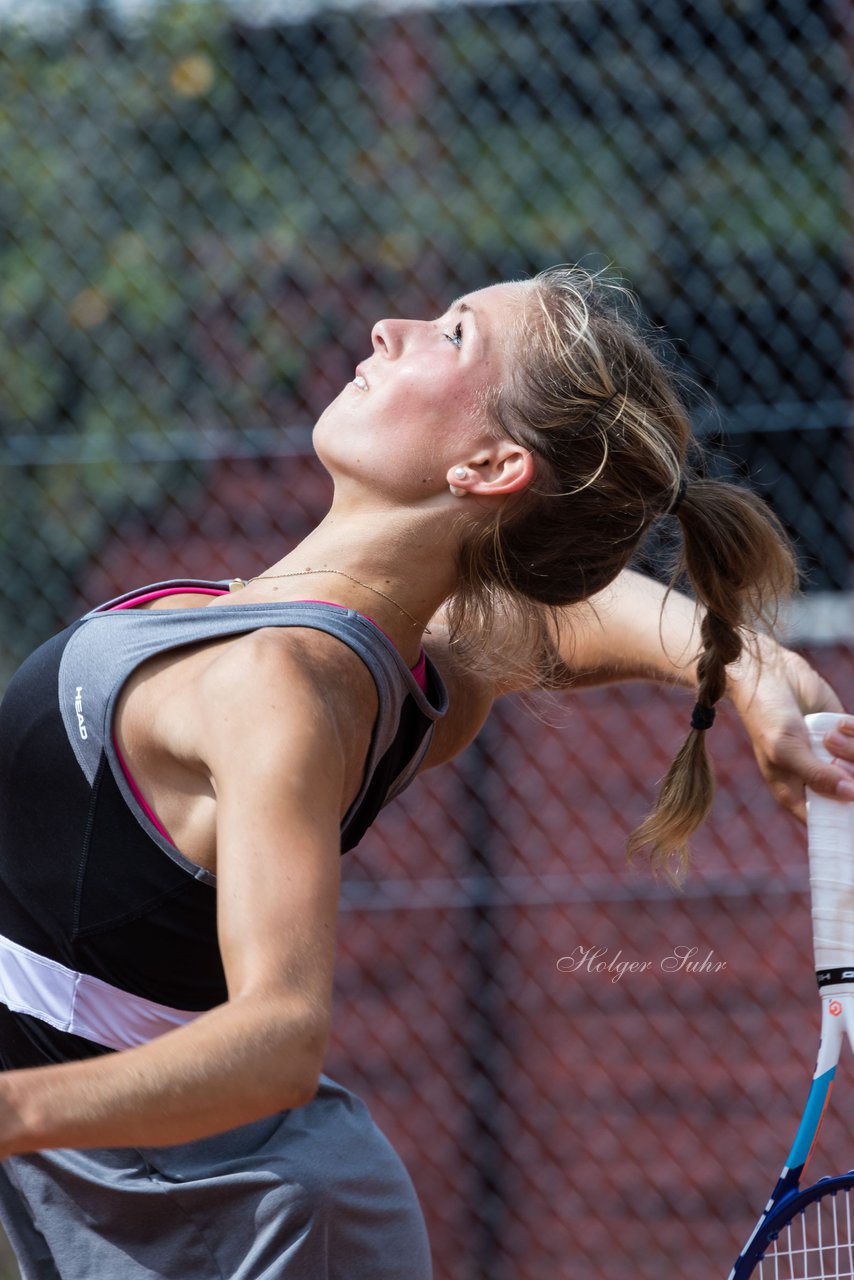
{"type": "Point", "coordinates": [409, 559]}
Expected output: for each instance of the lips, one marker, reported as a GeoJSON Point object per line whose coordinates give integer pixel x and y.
{"type": "Point", "coordinates": [360, 380]}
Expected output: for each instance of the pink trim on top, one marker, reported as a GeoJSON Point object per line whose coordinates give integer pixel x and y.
{"type": "Point", "coordinates": [168, 591]}
{"type": "Point", "coordinates": [129, 778]}
{"type": "Point", "coordinates": [419, 672]}
{"type": "Point", "coordinates": [139, 797]}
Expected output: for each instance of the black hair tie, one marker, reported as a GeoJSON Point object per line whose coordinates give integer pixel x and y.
{"type": "Point", "coordinates": [702, 717]}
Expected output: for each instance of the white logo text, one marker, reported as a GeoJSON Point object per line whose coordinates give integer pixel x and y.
{"type": "Point", "coordinates": [78, 707]}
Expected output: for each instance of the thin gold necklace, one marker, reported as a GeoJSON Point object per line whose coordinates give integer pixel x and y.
{"type": "Point", "coordinates": [237, 584]}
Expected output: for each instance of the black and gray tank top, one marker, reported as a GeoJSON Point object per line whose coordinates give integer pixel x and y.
{"type": "Point", "coordinates": [107, 932]}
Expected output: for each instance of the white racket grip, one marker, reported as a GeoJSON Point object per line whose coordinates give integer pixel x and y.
{"type": "Point", "coordinates": [830, 826]}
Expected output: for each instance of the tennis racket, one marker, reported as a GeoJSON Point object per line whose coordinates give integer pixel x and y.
{"type": "Point", "coordinates": [809, 1235]}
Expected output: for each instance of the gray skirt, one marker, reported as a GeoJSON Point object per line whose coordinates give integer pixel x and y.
{"type": "Point", "coordinates": [311, 1194]}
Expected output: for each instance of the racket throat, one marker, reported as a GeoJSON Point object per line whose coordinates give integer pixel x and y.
{"type": "Point", "coordinates": [808, 1129]}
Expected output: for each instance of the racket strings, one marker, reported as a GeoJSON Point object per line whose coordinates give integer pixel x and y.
{"type": "Point", "coordinates": [817, 1244]}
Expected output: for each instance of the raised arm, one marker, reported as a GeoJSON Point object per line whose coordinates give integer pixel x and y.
{"type": "Point", "coordinates": [635, 630]}
{"type": "Point", "coordinates": [280, 761]}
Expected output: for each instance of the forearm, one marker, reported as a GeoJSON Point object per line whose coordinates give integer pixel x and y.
{"type": "Point", "coordinates": [240, 1061]}
{"type": "Point", "coordinates": [633, 630]}
{"type": "Point", "coordinates": [626, 636]}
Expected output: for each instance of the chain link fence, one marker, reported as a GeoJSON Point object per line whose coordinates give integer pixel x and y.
{"type": "Point", "coordinates": [204, 207]}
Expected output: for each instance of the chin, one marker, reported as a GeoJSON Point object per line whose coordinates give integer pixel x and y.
{"type": "Point", "coordinates": [332, 440]}
{"type": "Point", "coordinates": [323, 432]}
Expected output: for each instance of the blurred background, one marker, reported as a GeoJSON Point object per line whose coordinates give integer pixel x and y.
{"type": "Point", "coordinates": [204, 207]}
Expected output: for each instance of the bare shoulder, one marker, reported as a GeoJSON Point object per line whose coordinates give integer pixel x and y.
{"type": "Point", "coordinates": [276, 659]}
{"type": "Point", "coordinates": [287, 683]}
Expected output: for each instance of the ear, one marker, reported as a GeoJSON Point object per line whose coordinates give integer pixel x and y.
{"type": "Point", "coordinates": [503, 468]}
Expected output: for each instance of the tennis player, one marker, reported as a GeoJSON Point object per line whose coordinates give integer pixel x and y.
{"type": "Point", "coordinates": [181, 769]}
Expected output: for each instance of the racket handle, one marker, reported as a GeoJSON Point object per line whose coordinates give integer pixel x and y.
{"type": "Point", "coordinates": [830, 826]}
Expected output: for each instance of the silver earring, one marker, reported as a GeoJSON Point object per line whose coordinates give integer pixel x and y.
{"type": "Point", "coordinates": [456, 491]}
{"type": "Point", "coordinates": [460, 473]}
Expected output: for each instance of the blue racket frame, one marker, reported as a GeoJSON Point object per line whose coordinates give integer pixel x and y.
{"type": "Point", "coordinates": [787, 1201]}
{"type": "Point", "coordinates": [785, 1210]}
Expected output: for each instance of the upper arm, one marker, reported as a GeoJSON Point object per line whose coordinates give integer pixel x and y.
{"type": "Point", "coordinates": [280, 752]}
{"type": "Point", "coordinates": [616, 634]}
{"type": "Point", "coordinates": [633, 629]}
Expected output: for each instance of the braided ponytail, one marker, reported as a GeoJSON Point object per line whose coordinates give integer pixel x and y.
{"type": "Point", "coordinates": [595, 400]}
{"type": "Point", "coordinates": [740, 564]}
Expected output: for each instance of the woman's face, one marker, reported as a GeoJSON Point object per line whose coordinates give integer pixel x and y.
{"type": "Point", "coordinates": [415, 407]}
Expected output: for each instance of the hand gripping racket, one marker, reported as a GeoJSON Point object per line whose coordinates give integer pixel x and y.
{"type": "Point", "coordinates": [809, 1235]}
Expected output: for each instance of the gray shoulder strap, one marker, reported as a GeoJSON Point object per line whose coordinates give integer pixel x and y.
{"type": "Point", "coordinates": [107, 647]}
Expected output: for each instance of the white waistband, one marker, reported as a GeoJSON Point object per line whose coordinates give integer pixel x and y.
{"type": "Point", "coordinates": [79, 1003]}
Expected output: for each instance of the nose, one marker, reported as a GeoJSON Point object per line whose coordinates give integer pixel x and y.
{"type": "Point", "coordinates": [389, 336]}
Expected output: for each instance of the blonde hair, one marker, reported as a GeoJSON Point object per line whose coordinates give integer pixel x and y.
{"type": "Point", "coordinates": [600, 411]}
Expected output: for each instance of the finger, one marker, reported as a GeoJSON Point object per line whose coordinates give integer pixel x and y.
{"type": "Point", "coordinates": [828, 780]}
{"type": "Point", "coordinates": [793, 761]}
{"type": "Point", "coordinates": [840, 742]}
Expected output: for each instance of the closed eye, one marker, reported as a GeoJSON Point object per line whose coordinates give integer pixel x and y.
{"type": "Point", "coordinates": [457, 336]}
